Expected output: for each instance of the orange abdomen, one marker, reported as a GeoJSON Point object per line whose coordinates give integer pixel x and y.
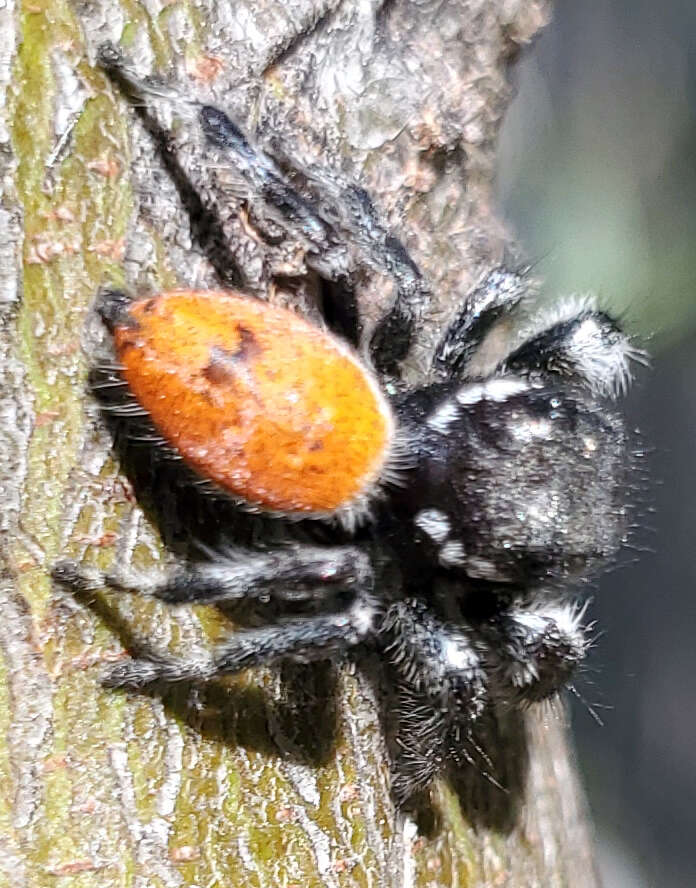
{"type": "Point", "coordinates": [276, 411]}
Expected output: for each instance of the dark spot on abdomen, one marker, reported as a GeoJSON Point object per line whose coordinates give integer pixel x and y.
{"type": "Point", "coordinates": [224, 363]}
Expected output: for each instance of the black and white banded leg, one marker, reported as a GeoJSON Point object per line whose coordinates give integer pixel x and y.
{"type": "Point", "coordinates": [571, 338]}
{"type": "Point", "coordinates": [339, 578]}
{"type": "Point", "coordinates": [532, 650]}
{"type": "Point", "coordinates": [295, 573]}
{"type": "Point", "coordinates": [576, 340]}
{"type": "Point", "coordinates": [494, 298]}
{"type": "Point", "coordinates": [440, 690]}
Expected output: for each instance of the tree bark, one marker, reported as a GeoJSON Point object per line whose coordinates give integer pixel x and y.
{"type": "Point", "coordinates": [209, 788]}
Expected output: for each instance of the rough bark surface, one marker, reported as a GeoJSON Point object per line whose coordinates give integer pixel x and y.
{"type": "Point", "coordinates": [207, 789]}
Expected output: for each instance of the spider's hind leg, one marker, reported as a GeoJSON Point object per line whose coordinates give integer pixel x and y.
{"type": "Point", "coordinates": [342, 229]}
{"type": "Point", "coordinates": [337, 582]}
{"type": "Point", "coordinates": [381, 251]}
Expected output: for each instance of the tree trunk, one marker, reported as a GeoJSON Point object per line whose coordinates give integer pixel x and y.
{"type": "Point", "coordinates": [221, 787]}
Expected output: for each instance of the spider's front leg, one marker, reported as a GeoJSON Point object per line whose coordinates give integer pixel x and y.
{"type": "Point", "coordinates": [576, 341]}
{"type": "Point", "coordinates": [497, 295]}
{"type": "Point", "coordinates": [339, 578]}
{"type": "Point", "coordinates": [533, 649]}
{"type": "Point", "coordinates": [571, 339]}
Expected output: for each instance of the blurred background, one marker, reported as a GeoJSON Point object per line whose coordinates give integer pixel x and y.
{"type": "Point", "coordinates": [598, 179]}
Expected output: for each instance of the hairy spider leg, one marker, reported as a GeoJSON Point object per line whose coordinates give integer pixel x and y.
{"type": "Point", "coordinates": [378, 248]}
{"type": "Point", "coordinates": [447, 675]}
{"type": "Point", "coordinates": [496, 296]}
{"type": "Point", "coordinates": [574, 339]}
{"type": "Point", "coordinates": [267, 181]}
{"type": "Point", "coordinates": [532, 649]}
{"type": "Point", "coordinates": [302, 639]}
{"type": "Point", "coordinates": [434, 657]}
{"type": "Point", "coordinates": [295, 573]}
{"type": "Point", "coordinates": [351, 210]}
{"type": "Point", "coordinates": [578, 341]}
{"type": "Point", "coordinates": [442, 684]}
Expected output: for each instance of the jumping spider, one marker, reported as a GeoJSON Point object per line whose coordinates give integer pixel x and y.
{"type": "Point", "coordinates": [506, 487]}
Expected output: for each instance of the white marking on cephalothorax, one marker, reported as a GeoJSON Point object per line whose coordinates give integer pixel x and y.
{"type": "Point", "coordinates": [471, 394]}
{"type": "Point", "coordinates": [443, 417]}
{"type": "Point", "coordinates": [483, 569]}
{"type": "Point", "coordinates": [452, 554]}
{"type": "Point", "coordinates": [531, 429]}
{"type": "Point", "coordinates": [459, 655]}
{"type": "Point", "coordinates": [493, 390]}
{"type": "Point", "coordinates": [363, 617]}
{"type": "Point", "coordinates": [433, 522]}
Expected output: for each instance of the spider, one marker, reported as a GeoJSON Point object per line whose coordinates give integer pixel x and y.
{"type": "Point", "coordinates": [457, 514]}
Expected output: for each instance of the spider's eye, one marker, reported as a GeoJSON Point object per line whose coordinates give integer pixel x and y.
{"type": "Point", "coordinates": [276, 411]}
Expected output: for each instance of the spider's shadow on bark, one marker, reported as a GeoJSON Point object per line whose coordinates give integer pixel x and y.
{"type": "Point", "coordinates": [491, 788]}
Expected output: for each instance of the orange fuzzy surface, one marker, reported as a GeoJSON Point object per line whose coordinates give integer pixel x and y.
{"type": "Point", "coordinates": [271, 408]}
